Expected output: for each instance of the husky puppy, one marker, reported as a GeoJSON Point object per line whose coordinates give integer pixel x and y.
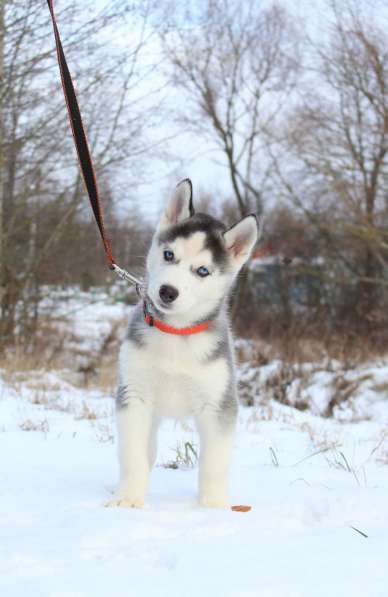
{"type": "Point", "coordinates": [177, 358]}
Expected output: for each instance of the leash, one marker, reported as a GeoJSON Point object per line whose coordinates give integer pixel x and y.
{"type": "Point", "coordinates": [84, 156]}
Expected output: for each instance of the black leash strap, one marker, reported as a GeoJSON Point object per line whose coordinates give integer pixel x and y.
{"type": "Point", "coordinates": [82, 146]}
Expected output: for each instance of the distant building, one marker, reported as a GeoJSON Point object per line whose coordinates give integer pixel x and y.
{"type": "Point", "coordinates": [274, 279]}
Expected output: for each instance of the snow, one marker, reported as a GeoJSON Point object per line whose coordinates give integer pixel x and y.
{"type": "Point", "coordinates": [308, 479]}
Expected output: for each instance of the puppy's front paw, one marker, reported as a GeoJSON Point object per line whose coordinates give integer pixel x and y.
{"type": "Point", "coordinates": [121, 500]}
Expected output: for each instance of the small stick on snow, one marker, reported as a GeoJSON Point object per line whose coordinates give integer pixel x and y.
{"type": "Point", "coordinates": [358, 531]}
{"type": "Point", "coordinates": [275, 460]}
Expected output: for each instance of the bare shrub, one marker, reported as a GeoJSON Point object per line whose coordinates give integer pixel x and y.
{"type": "Point", "coordinates": [343, 391]}
{"type": "Point", "coordinates": [277, 387]}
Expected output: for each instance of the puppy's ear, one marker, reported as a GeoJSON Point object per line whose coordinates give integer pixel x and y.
{"type": "Point", "coordinates": [241, 239]}
{"type": "Point", "coordinates": [180, 205]}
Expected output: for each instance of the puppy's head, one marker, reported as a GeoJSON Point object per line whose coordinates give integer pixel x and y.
{"type": "Point", "coordinates": [193, 258]}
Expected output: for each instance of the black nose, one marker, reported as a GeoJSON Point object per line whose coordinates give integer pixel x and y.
{"type": "Point", "coordinates": [167, 293]}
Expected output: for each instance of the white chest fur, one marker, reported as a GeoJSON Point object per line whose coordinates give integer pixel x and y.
{"type": "Point", "coordinates": [173, 373]}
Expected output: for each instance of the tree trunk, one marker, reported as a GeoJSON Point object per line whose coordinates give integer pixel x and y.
{"type": "Point", "coordinates": [2, 264]}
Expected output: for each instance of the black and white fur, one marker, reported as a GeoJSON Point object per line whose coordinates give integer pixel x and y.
{"type": "Point", "coordinates": [164, 375]}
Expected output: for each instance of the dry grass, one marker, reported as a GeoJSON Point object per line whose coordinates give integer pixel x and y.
{"type": "Point", "coordinates": [343, 392]}
{"type": "Point", "coordinates": [26, 370]}
{"type": "Point", "coordinates": [381, 388]}
{"type": "Point", "coordinates": [87, 413]}
{"type": "Point", "coordinates": [58, 351]}
{"type": "Point", "coordinates": [383, 459]}
{"type": "Point", "coordinates": [322, 441]}
{"type": "Point", "coordinates": [186, 456]}
{"type": "Point", "coordinates": [29, 425]}
{"type": "Point", "coordinates": [45, 351]}
{"type": "Point", "coordinates": [104, 433]}
{"type": "Point", "coordinates": [106, 378]}
{"type": "Point", "coordinates": [380, 452]}
{"type": "Point", "coordinates": [330, 447]}
{"type": "Point", "coordinates": [277, 387]}
{"type": "Point", "coordinates": [312, 337]}
{"type": "Point", "coordinates": [18, 362]}
{"type": "Point", "coordinates": [337, 459]}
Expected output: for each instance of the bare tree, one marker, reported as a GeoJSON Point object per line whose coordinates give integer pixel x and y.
{"type": "Point", "coordinates": [235, 64]}
{"type": "Point", "coordinates": [39, 172]}
{"type": "Point", "coordinates": [338, 140]}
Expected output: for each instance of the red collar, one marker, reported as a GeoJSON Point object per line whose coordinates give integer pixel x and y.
{"type": "Point", "coordinates": [169, 329]}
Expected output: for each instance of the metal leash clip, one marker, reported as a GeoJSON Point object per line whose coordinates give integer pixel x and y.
{"type": "Point", "coordinates": [124, 275]}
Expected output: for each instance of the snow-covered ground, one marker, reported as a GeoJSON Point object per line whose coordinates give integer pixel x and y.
{"type": "Point", "coordinates": [317, 486]}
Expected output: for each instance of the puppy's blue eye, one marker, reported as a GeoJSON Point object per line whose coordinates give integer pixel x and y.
{"type": "Point", "coordinates": [203, 271]}
{"type": "Point", "coordinates": [168, 255]}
